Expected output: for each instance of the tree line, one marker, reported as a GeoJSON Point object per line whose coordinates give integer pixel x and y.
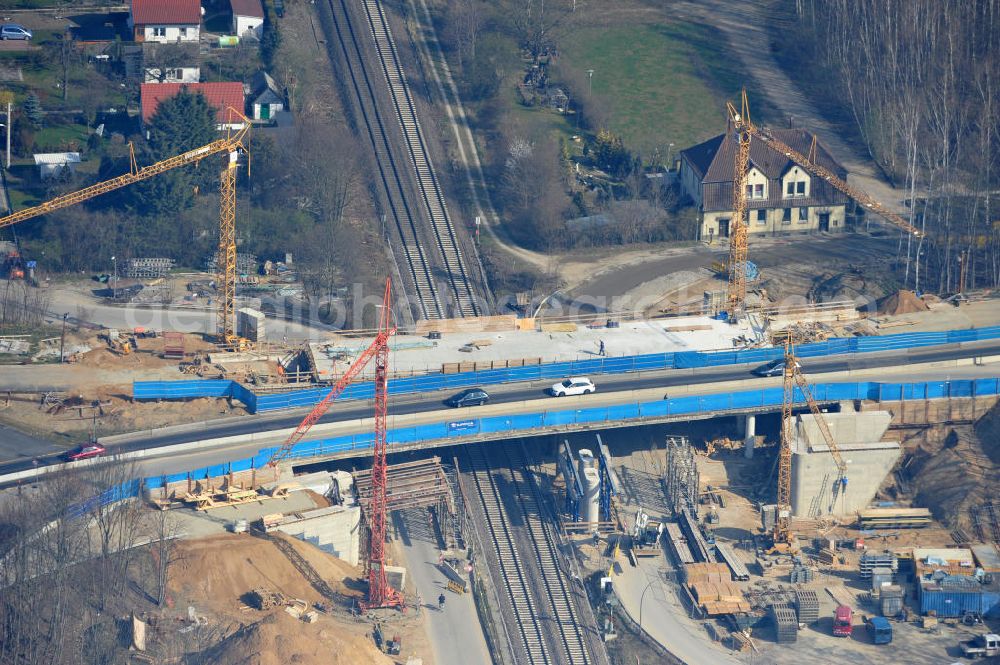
{"type": "Point", "coordinates": [920, 80]}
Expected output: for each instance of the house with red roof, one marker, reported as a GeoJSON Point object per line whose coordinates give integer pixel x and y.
{"type": "Point", "coordinates": [221, 96]}
{"type": "Point", "coordinates": [165, 21]}
{"type": "Point", "coordinates": [248, 18]}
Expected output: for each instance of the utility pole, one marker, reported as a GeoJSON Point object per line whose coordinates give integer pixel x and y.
{"type": "Point", "coordinates": [62, 339]}
{"type": "Point", "coordinates": [7, 97]}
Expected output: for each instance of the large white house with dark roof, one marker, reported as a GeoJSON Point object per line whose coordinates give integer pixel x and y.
{"type": "Point", "coordinates": [782, 197]}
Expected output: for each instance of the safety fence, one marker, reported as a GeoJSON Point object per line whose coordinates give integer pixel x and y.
{"type": "Point", "coordinates": [529, 423]}
{"type": "Point", "coordinates": [147, 390]}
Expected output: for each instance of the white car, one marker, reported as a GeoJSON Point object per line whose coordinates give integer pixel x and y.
{"type": "Point", "coordinates": [580, 385]}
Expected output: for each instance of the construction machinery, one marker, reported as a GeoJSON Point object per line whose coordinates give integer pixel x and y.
{"type": "Point", "coordinates": [380, 593]}
{"type": "Point", "coordinates": [235, 142]}
{"type": "Point", "coordinates": [793, 378]}
{"type": "Point", "coordinates": [746, 131]}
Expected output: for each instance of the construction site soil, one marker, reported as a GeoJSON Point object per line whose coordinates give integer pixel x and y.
{"type": "Point", "coordinates": [214, 574]}
{"type": "Point", "coordinates": [958, 471]}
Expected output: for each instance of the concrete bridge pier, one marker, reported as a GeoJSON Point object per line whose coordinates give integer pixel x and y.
{"type": "Point", "coordinates": [749, 434]}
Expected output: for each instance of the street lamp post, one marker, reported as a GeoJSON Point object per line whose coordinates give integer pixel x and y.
{"type": "Point", "coordinates": [590, 82]}
{"type": "Point", "coordinates": [62, 339]}
{"type": "Point", "coordinates": [642, 598]}
{"type": "Point", "coordinates": [114, 283]}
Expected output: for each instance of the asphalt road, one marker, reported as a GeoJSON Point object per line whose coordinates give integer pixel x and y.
{"type": "Point", "coordinates": [30, 449]}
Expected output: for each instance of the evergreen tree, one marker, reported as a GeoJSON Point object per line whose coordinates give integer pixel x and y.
{"type": "Point", "coordinates": [181, 123]}
{"type": "Point", "coordinates": [33, 109]}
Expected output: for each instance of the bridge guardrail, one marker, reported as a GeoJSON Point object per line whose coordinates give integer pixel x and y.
{"type": "Point", "coordinates": [146, 390]}
{"type": "Point", "coordinates": [526, 424]}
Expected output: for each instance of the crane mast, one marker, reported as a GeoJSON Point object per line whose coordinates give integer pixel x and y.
{"type": "Point", "coordinates": [235, 142]}
{"type": "Point", "coordinates": [738, 231]}
{"type": "Point", "coordinates": [380, 593]}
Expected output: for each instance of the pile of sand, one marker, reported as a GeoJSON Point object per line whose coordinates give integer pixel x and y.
{"type": "Point", "coordinates": [279, 639]}
{"type": "Point", "coordinates": [901, 302]}
{"type": "Point", "coordinates": [215, 572]}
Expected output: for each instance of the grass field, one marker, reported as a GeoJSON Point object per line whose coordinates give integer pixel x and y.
{"type": "Point", "coordinates": [663, 82]}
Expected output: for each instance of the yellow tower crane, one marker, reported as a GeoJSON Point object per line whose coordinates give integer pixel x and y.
{"type": "Point", "coordinates": [746, 131]}
{"type": "Point", "coordinates": [793, 377]}
{"type": "Point", "coordinates": [738, 230]}
{"type": "Point", "coordinates": [234, 142]}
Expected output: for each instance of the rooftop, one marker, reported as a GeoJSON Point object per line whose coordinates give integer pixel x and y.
{"type": "Point", "coordinates": [247, 8]}
{"type": "Point", "coordinates": [221, 96]}
{"type": "Point", "coordinates": [166, 12]}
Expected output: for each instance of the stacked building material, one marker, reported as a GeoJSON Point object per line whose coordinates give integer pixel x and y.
{"type": "Point", "coordinates": [807, 604]}
{"type": "Point", "coordinates": [894, 518]}
{"type": "Point", "coordinates": [786, 625]}
{"type": "Point", "coordinates": [801, 574]}
{"type": "Point", "coordinates": [736, 565]}
{"type": "Point", "coordinates": [871, 560]}
{"type": "Point", "coordinates": [678, 543]}
{"type": "Point", "coordinates": [712, 587]}
{"type": "Point", "coordinates": [251, 324]}
{"type": "Point", "coordinates": [950, 561]}
{"type": "Point", "coordinates": [891, 601]}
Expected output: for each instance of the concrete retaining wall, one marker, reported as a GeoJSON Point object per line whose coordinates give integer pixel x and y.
{"type": "Point", "coordinates": [335, 530]}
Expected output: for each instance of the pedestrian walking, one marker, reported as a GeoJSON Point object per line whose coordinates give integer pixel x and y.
{"type": "Point", "coordinates": [441, 602]}
{"type": "Point", "coordinates": [600, 350]}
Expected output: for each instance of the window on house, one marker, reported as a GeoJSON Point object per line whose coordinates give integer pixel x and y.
{"type": "Point", "coordinates": [791, 189]}
{"type": "Point", "coordinates": [803, 215]}
{"type": "Point", "coordinates": [762, 216]}
{"type": "Point", "coordinates": [800, 188]}
{"type": "Point", "coordinates": [786, 216]}
{"type": "Point", "coordinates": [758, 191]}
{"type": "Point", "coordinates": [749, 191]}
{"type": "Point", "coordinates": [159, 31]}
{"type": "Point", "coordinates": [184, 32]}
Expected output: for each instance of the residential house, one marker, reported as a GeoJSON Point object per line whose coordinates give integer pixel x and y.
{"type": "Point", "coordinates": [165, 21]}
{"type": "Point", "coordinates": [248, 18]}
{"type": "Point", "coordinates": [782, 197]}
{"type": "Point", "coordinates": [222, 96]}
{"type": "Point", "coordinates": [51, 164]}
{"type": "Point", "coordinates": [171, 63]}
{"type": "Point", "coordinates": [266, 100]}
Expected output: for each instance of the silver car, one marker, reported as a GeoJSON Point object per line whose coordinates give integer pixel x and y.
{"type": "Point", "coordinates": [15, 31]}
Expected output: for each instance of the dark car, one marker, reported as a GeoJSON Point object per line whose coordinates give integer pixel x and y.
{"type": "Point", "coordinates": [773, 368]}
{"type": "Point", "coordinates": [84, 452]}
{"type": "Point", "coordinates": [468, 397]}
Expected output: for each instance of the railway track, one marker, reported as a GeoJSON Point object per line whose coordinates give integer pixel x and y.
{"type": "Point", "coordinates": [430, 188]}
{"type": "Point", "coordinates": [542, 598]}
{"type": "Point", "coordinates": [418, 268]}
{"type": "Point", "coordinates": [434, 264]}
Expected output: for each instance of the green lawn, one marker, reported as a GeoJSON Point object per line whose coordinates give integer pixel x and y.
{"type": "Point", "coordinates": [61, 138]}
{"type": "Point", "coordinates": [663, 82]}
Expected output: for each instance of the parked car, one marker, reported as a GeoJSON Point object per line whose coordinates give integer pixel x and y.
{"type": "Point", "coordinates": [84, 452]}
{"type": "Point", "coordinates": [468, 397]}
{"type": "Point", "coordinates": [579, 385]}
{"type": "Point", "coordinates": [773, 368]}
{"type": "Point", "coordinates": [15, 31]}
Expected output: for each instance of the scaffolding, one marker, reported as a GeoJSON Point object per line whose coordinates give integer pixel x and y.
{"type": "Point", "coordinates": [246, 264]}
{"type": "Point", "coordinates": [681, 479]}
{"type": "Point", "coordinates": [420, 484]}
{"type": "Point", "coordinates": [148, 268]}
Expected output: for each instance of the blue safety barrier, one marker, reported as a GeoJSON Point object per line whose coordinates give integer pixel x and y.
{"type": "Point", "coordinates": [524, 424]}
{"type": "Point", "coordinates": [145, 390]}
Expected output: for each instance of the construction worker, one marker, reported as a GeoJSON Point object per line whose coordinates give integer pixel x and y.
{"type": "Point", "coordinates": [441, 602]}
{"type": "Point", "coordinates": [600, 350]}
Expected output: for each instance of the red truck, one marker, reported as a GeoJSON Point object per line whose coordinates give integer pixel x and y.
{"type": "Point", "coordinates": [843, 621]}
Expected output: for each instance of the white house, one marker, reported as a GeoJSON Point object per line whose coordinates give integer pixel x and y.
{"type": "Point", "coordinates": [165, 21]}
{"type": "Point", "coordinates": [248, 18]}
{"type": "Point", "coordinates": [50, 164]}
{"type": "Point", "coordinates": [266, 100]}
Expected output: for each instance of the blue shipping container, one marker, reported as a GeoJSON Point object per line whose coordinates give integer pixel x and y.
{"type": "Point", "coordinates": [955, 603]}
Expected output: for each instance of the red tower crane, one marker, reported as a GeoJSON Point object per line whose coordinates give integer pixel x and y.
{"type": "Point", "coordinates": [380, 594]}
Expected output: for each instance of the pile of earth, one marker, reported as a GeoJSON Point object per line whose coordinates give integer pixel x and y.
{"type": "Point", "coordinates": [901, 302]}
